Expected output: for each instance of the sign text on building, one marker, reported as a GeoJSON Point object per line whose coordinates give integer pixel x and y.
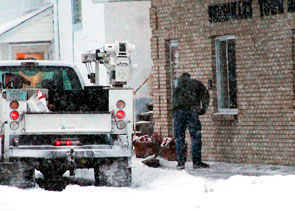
{"type": "Point", "coordinates": [230, 11]}
{"type": "Point", "coordinates": [243, 9]}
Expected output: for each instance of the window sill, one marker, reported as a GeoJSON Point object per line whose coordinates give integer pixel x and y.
{"type": "Point", "coordinates": [77, 26]}
{"type": "Point", "coordinates": [233, 116]}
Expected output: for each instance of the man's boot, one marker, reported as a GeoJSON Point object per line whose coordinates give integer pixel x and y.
{"type": "Point", "coordinates": [180, 165]}
{"type": "Point", "coordinates": [200, 164]}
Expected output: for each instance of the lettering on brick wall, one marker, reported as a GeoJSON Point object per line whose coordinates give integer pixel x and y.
{"type": "Point", "coordinates": [271, 7]}
{"type": "Point", "coordinates": [230, 11]}
{"type": "Point", "coordinates": [243, 9]}
{"type": "Point", "coordinates": [291, 5]}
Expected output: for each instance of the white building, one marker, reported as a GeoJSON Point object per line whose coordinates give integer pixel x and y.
{"type": "Point", "coordinates": [28, 28]}
{"type": "Point", "coordinates": [64, 29]}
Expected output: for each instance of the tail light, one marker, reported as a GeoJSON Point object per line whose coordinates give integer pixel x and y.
{"type": "Point", "coordinates": [57, 143]}
{"type": "Point", "coordinates": [121, 114]}
{"type": "Point", "coordinates": [67, 142]}
{"type": "Point", "coordinates": [14, 115]}
{"type": "Point", "coordinates": [14, 105]}
{"type": "Point", "coordinates": [121, 104]}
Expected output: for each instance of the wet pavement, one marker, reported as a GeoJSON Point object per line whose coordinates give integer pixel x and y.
{"type": "Point", "coordinates": [221, 170]}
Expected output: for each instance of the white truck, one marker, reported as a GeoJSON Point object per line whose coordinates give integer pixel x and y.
{"type": "Point", "coordinates": [84, 126]}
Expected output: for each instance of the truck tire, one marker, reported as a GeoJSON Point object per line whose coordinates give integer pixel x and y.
{"type": "Point", "coordinates": [53, 179]}
{"type": "Point", "coordinates": [114, 172]}
{"type": "Point", "coordinates": [17, 174]}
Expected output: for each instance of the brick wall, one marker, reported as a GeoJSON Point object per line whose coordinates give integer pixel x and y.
{"type": "Point", "coordinates": [264, 129]}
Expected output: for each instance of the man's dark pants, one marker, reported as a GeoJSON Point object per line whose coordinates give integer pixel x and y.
{"type": "Point", "coordinates": [190, 119]}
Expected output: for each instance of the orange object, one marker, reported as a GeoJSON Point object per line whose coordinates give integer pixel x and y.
{"type": "Point", "coordinates": [20, 56]}
{"type": "Point", "coordinates": [30, 56]}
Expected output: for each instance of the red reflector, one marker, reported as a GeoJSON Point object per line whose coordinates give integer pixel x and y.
{"type": "Point", "coordinates": [68, 143]}
{"type": "Point", "coordinates": [120, 114]}
{"type": "Point", "coordinates": [57, 142]}
{"type": "Point", "coordinates": [14, 115]}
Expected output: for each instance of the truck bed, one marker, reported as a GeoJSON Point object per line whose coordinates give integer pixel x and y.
{"type": "Point", "coordinates": [67, 123]}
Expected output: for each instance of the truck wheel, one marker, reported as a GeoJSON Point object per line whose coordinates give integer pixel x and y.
{"type": "Point", "coordinates": [54, 182]}
{"type": "Point", "coordinates": [17, 174]}
{"type": "Point", "coordinates": [52, 174]}
{"type": "Point", "coordinates": [114, 172]}
{"type": "Point", "coordinates": [53, 179]}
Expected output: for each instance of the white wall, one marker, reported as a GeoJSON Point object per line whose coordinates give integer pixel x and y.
{"type": "Point", "coordinates": [130, 21]}
{"type": "Point", "coordinates": [72, 42]}
{"type": "Point", "coordinates": [11, 9]}
{"type": "Point", "coordinates": [92, 34]}
{"type": "Point", "coordinates": [105, 23]}
{"type": "Point", "coordinates": [4, 51]}
{"type": "Point", "coordinates": [63, 39]}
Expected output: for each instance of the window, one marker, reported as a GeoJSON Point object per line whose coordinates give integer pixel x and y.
{"type": "Point", "coordinates": [39, 77]}
{"type": "Point", "coordinates": [173, 63]}
{"type": "Point", "coordinates": [293, 58]}
{"type": "Point", "coordinates": [70, 80]}
{"type": "Point", "coordinates": [226, 74]}
{"type": "Point", "coordinates": [77, 12]}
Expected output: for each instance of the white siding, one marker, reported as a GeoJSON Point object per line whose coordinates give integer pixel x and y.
{"type": "Point", "coordinates": [11, 9]}
{"type": "Point", "coordinates": [72, 42]}
{"type": "Point", "coordinates": [92, 35]}
{"type": "Point", "coordinates": [39, 28]}
{"type": "Point", "coordinates": [63, 31]}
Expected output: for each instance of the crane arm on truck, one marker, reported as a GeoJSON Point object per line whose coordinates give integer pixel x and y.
{"type": "Point", "coordinates": [116, 57]}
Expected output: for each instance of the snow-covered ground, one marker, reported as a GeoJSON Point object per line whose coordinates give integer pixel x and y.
{"type": "Point", "coordinates": [228, 187]}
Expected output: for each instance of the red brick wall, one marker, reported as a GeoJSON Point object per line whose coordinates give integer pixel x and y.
{"type": "Point", "coordinates": [264, 129]}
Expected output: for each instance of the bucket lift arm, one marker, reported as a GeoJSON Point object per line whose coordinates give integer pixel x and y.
{"type": "Point", "coordinates": [116, 57]}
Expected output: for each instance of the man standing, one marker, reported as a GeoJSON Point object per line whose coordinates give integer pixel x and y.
{"type": "Point", "coordinates": [190, 99]}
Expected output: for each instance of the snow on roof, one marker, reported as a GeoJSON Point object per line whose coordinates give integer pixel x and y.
{"type": "Point", "coordinates": [18, 21]}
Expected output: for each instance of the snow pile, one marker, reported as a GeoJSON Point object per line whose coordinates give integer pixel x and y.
{"type": "Point", "coordinates": [168, 189]}
{"type": "Point", "coordinates": [250, 193]}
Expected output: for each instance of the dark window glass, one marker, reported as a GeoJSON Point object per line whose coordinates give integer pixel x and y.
{"type": "Point", "coordinates": [226, 73]}
{"type": "Point", "coordinates": [39, 77]}
{"type": "Point", "coordinates": [77, 12]}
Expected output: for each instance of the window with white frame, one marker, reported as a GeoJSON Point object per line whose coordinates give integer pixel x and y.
{"type": "Point", "coordinates": [226, 74]}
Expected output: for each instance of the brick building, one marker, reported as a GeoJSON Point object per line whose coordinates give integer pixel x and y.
{"type": "Point", "coordinates": [243, 51]}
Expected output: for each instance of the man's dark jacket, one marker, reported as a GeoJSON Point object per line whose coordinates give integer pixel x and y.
{"type": "Point", "coordinates": [190, 94]}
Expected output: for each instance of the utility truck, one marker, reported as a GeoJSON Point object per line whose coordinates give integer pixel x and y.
{"type": "Point", "coordinates": [78, 127]}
